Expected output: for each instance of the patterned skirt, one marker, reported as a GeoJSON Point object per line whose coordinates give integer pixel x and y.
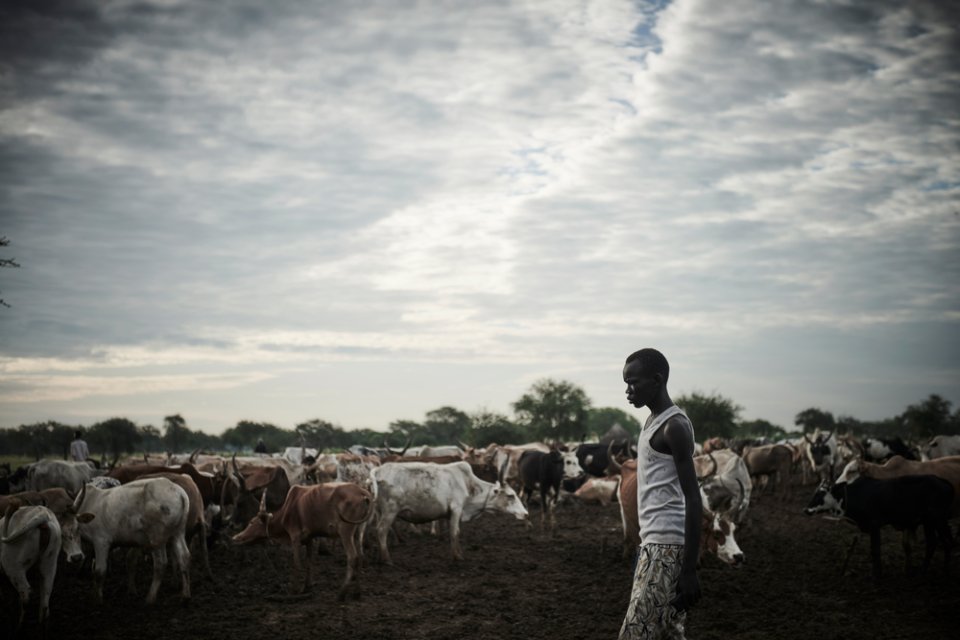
{"type": "Point", "coordinates": [650, 616]}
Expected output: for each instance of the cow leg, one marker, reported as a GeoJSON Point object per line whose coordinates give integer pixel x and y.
{"type": "Point", "coordinates": [101, 554]}
{"type": "Point", "coordinates": [348, 536]}
{"type": "Point", "coordinates": [455, 549]}
{"type": "Point", "coordinates": [133, 560]}
{"type": "Point", "coordinates": [383, 530]}
{"type": "Point", "coordinates": [159, 555]}
{"type": "Point", "coordinates": [907, 538]}
{"type": "Point", "coordinates": [295, 545]}
{"type": "Point", "coordinates": [846, 561]}
{"type": "Point", "coordinates": [181, 556]}
{"type": "Point", "coordinates": [946, 541]}
{"type": "Point", "coordinates": [19, 580]}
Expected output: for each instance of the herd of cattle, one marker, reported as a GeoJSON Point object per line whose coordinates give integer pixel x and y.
{"type": "Point", "coordinates": [170, 504]}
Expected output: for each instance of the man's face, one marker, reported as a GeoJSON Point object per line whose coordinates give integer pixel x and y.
{"type": "Point", "coordinates": [642, 387]}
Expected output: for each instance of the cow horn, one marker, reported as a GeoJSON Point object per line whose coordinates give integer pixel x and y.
{"type": "Point", "coordinates": [712, 472]}
{"type": "Point", "coordinates": [807, 439]}
{"type": "Point", "coordinates": [743, 495]}
{"type": "Point", "coordinates": [502, 473]}
{"type": "Point", "coordinates": [612, 460]}
{"type": "Point", "coordinates": [193, 456]}
{"type": "Point", "coordinates": [78, 501]}
{"type": "Point", "coordinates": [263, 503]}
{"type": "Point", "coordinates": [829, 435]}
{"type": "Point", "coordinates": [146, 460]}
{"type": "Point", "coordinates": [236, 471]}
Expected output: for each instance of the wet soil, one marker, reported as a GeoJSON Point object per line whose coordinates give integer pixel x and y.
{"type": "Point", "coordinates": [517, 582]}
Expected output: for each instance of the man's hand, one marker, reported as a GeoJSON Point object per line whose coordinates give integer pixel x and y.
{"type": "Point", "coordinates": [688, 591]}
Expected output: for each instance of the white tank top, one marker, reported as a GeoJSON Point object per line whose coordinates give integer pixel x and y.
{"type": "Point", "coordinates": [660, 500]}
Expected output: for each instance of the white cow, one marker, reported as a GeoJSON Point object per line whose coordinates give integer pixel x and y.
{"type": "Point", "coordinates": [149, 513]}
{"type": "Point", "coordinates": [940, 447]}
{"type": "Point", "coordinates": [421, 492]}
{"type": "Point", "coordinates": [725, 480]}
{"type": "Point", "coordinates": [30, 537]}
{"type": "Point", "coordinates": [48, 474]}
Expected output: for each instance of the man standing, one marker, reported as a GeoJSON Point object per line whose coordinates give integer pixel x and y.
{"type": "Point", "coordinates": [665, 582]}
{"type": "Point", "coordinates": [78, 448]}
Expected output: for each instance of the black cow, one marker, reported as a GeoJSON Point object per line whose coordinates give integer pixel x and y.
{"type": "Point", "coordinates": [904, 503]}
{"type": "Point", "coordinates": [594, 457]}
{"type": "Point", "coordinates": [882, 449]}
{"type": "Point", "coordinates": [544, 470]}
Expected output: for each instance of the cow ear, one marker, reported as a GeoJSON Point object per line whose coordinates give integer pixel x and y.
{"type": "Point", "coordinates": [84, 518]}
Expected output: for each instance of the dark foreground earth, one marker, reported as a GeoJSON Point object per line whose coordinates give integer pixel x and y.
{"type": "Point", "coordinates": [520, 583]}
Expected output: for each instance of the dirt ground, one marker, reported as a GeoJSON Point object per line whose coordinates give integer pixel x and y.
{"type": "Point", "coordinates": [520, 583]}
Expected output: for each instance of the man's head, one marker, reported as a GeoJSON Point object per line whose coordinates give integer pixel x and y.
{"type": "Point", "coordinates": [77, 435]}
{"type": "Point", "coordinates": [645, 372]}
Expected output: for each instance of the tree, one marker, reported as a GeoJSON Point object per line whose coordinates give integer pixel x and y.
{"type": "Point", "coordinates": [174, 432]}
{"type": "Point", "coordinates": [150, 438]}
{"type": "Point", "coordinates": [553, 409]}
{"type": "Point", "coordinates": [447, 425]}
{"type": "Point", "coordinates": [813, 418]}
{"type": "Point", "coordinates": [762, 429]}
{"type": "Point", "coordinates": [600, 420]}
{"type": "Point", "coordinates": [489, 427]}
{"type": "Point", "coordinates": [246, 433]}
{"type": "Point", "coordinates": [712, 416]}
{"type": "Point", "coordinates": [322, 435]}
{"type": "Point", "coordinates": [404, 430]}
{"type": "Point", "coordinates": [115, 436]}
{"type": "Point", "coordinates": [928, 418]}
{"type": "Point", "coordinates": [6, 262]}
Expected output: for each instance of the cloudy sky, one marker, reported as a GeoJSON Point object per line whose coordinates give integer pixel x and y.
{"type": "Point", "coordinates": [362, 211]}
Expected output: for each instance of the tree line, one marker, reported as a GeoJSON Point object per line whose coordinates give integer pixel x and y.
{"type": "Point", "coordinates": [551, 410]}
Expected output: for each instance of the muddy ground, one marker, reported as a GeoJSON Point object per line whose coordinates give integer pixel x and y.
{"type": "Point", "coordinates": [519, 583]}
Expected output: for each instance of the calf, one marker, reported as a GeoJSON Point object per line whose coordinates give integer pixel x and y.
{"type": "Point", "coordinates": [30, 537]}
{"type": "Point", "coordinates": [150, 513]}
{"type": "Point", "coordinates": [598, 490]}
{"type": "Point", "coordinates": [331, 509]}
{"type": "Point", "coordinates": [717, 529]}
{"type": "Point", "coordinates": [423, 492]}
{"type": "Point", "coordinates": [543, 470]}
{"type": "Point", "coordinates": [904, 503]}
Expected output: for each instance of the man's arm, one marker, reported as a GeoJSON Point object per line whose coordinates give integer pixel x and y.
{"type": "Point", "coordinates": [679, 438]}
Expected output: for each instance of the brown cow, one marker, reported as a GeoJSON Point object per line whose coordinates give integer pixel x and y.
{"type": "Point", "coordinates": [717, 534]}
{"type": "Point", "coordinates": [322, 510]}
{"type": "Point", "coordinates": [771, 460]}
{"type": "Point", "coordinates": [245, 489]}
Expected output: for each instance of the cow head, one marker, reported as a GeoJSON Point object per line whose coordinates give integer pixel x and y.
{"type": "Point", "coordinates": [70, 520]}
{"type": "Point", "coordinates": [827, 499]}
{"type": "Point", "coordinates": [820, 448]}
{"type": "Point", "coordinates": [257, 528]}
{"type": "Point", "coordinates": [571, 466]}
{"type": "Point", "coordinates": [718, 538]}
{"type": "Point", "coordinates": [504, 499]}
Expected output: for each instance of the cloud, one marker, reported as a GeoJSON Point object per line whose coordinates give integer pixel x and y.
{"type": "Point", "coordinates": [219, 187]}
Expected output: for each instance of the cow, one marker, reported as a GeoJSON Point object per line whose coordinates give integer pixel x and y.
{"type": "Point", "coordinates": [771, 460]}
{"type": "Point", "coordinates": [328, 510]}
{"type": "Point", "coordinates": [546, 471]}
{"type": "Point", "coordinates": [717, 534]}
{"type": "Point", "coordinates": [61, 504]}
{"type": "Point", "coordinates": [444, 450]}
{"type": "Point", "coordinates": [509, 456]}
{"type": "Point", "coordinates": [905, 503]}
{"type": "Point", "coordinates": [150, 513]}
{"type": "Point", "coordinates": [356, 469]}
{"type": "Point", "coordinates": [245, 489]}
{"type": "Point", "coordinates": [196, 522]}
{"type": "Point", "coordinates": [598, 490]}
{"type": "Point", "coordinates": [30, 537]}
{"type": "Point", "coordinates": [595, 457]}
{"type": "Point", "coordinates": [47, 474]}
{"type": "Point", "coordinates": [822, 454]}
{"type": "Point", "coordinates": [947, 468]}
{"type": "Point", "coordinates": [941, 446]}
{"type": "Point", "coordinates": [424, 492]}
{"type": "Point", "coordinates": [723, 473]}
{"type": "Point", "coordinates": [882, 449]}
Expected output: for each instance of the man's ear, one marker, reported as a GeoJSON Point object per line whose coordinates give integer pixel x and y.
{"type": "Point", "coordinates": [658, 378]}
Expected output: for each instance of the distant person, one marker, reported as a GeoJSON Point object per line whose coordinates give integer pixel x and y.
{"type": "Point", "coordinates": [79, 451]}
{"type": "Point", "coordinates": [260, 448]}
{"type": "Point", "coordinates": [665, 581]}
